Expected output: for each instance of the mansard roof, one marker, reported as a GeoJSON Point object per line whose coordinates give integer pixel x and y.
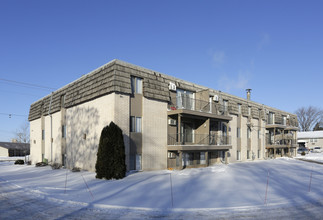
{"type": "Point", "coordinates": [115, 76]}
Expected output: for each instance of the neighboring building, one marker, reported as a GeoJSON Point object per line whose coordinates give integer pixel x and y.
{"type": "Point", "coordinates": [9, 149]}
{"type": "Point", "coordinates": [310, 139]}
{"type": "Point", "coordinates": [318, 126]}
{"type": "Point", "coordinates": [166, 122]}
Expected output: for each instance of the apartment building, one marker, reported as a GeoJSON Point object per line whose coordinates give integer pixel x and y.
{"type": "Point", "coordinates": [310, 139]}
{"type": "Point", "coordinates": [166, 122]}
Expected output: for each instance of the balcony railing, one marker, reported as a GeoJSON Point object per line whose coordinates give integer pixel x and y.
{"type": "Point", "coordinates": [198, 139]}
{"type": "Point", "coordinates": [184, 102]}
{"type": "Point", "coordinates": [290, 142]}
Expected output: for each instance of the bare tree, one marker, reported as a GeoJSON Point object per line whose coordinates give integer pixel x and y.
{"type": "Point", "coordinates": [22, 134]}
{"type": "Point", "coordinates": [308, 117]}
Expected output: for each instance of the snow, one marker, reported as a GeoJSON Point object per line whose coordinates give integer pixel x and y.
{"type": "Point", "coordinates": [238, 191]}
{"type": "Point", "coordinates": [318, 157]}
{"type": "Point", "coordinates": [11, 158]}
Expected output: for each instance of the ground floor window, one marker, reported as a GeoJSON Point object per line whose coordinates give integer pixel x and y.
{"type": "Point", "coordinates": [238, 155]}
{"type": "Point", "coordinates": [202, 158]}
{"type": "Point", "coordinates": [190, 159]}
{"type": "Point", "coordinates": [248, 154]}
{"type": "Point", "coordinates": [138, 161]}
{"type": "Point", "coordinates": [259, 154]}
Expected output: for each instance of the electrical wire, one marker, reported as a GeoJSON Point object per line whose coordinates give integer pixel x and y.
{"type": "Point", "coordinates": [26, 84]}
{"type": "Point", "coordinates": [10, 115]}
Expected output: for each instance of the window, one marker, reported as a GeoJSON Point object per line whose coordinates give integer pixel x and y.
{"type": "Point", "coordinates": [248, 132]}
{"type": "Point", "coordinates": [284, 120]}
{"type": "Point", "coordinates": [225, 105]}
{"type": "Point", "coordinates": [190, 158]}
{"type": "Point", "coordinates": [249, 110]}
{"type": "Point", "coordinates": [135, 124]}
{"type": "Point", "coordinates": [238, 155]}
{"type": "Point", "coordinates": [185, 99]}
{"type": "Point", "coordinates": [202, 158]}
{"type": "Point", "coordinates": [259, 134]}
{"type": "Point", "coordinates": [63, 131]}
{"type": "Point", "coordinates": [197, 158]}
{"type": "Point", "coordinates": [239, 108]}
{"type": "Point", "coordinates": [258, 154]}
{"type": "Point", "coordinates": [63, 101]}
{"type": "Point", "coordinates": [136, 85]}
{"type": "Point", "coordinates": [43, 134]}
{"type": "Point", "coordinates": [248, 154]}
{"type": "Point", "coordinates": [271, 117]}
{"type": "Point", "coordinates": [238, 132]}
{"type": "Point", "coordinates": [171, 155]}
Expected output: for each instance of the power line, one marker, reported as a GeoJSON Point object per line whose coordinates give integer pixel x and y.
{"type": "Point", "coordinates": [26, 84]}
{"type": "Point", "coordinates": [10, 115]}
{"type": "Point", "coordinates": [19, 93]}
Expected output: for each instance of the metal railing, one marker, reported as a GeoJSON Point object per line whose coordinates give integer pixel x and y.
{"type": "Point", "coordinates": [185, 102]}
{"type": "Point", "coordinates": [291, 142]}
{"type": "Point", "coordinates": [198, 139]}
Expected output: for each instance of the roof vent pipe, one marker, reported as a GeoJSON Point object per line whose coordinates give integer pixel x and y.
{"type": "Point", "coordinates": [248, 93]}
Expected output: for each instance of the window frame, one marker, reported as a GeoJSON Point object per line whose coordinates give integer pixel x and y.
{"type": "Point", "coordinates": [43, 134]}
{"type": "Point", "coordinates": [135, 124]}
{"type": "Point", "coordinates": [136, 85]}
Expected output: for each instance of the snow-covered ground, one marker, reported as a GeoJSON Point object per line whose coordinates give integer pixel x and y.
{"type": "Point", "coordinates": [12, 158]}
{"type": "Point", "coordinates": [312, 157]}
{"type": "Point", "coordinates": [234, 191]}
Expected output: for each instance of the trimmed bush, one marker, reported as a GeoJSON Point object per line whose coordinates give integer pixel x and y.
{"type": "Point", "coordinates": [41, 164]}
{"type": "Point", "coordinates": [20, 162]}
{"type": "Point", "coordinates": [111, 158]}
{"type": "Point", "coordinates": [76, 169]}
{"type": "Point", "coordinates": [56, 166]}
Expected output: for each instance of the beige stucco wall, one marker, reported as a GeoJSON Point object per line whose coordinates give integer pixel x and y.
{"type": "Point", "coordinates": [56, 156]}
{"type": "Point", "coordinates": [233, 152]}
{"type": "Point", "coordinates": [35, 141]}
{"type": "Point", "coordinates": [4, 152]}
{"type": "Point", "coordinates": [122, 119]}
{"type": "Point", "coordinates": [254, 139]}
{"type": "Point", "coordinates": [84, 124]}
{"type": "Point", "coordinates": [244, 140]}
{"type": "Point", "coordinates": [154, 135]}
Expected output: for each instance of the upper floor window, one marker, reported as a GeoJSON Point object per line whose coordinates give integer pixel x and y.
{"type": "Point", "coordinates": [225, 105]}
{"type": "Point", "coordinates": [284, 120]}
{"type": "Point", "coordinates": [271, 118]}
{"type": "Point", "coordinates": [135, 124]}
{"type": "Point", "coordinates": [185, 99]}
{"type": "Point", "coordinates": [239, 108]}
{"type": "Point", "coordinates": [248, 132]}
{"type": "Point", "coordinates": [249, 110]}
{"type": "Point", "coordinates": [63, 101]}
{"type": "Point", "coordinates": [136, 85]}
{"type": "Point", "coordinates": [238, 132]}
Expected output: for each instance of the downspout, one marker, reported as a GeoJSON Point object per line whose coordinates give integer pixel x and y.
{"type": "Point", "coordinates": [51, 128]}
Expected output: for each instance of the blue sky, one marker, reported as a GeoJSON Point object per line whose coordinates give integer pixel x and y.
{"type": "Point", "coordinates": [273, 47]}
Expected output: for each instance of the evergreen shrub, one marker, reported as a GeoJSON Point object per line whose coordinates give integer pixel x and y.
{"type": "Point", "coordinates": [111, 158]}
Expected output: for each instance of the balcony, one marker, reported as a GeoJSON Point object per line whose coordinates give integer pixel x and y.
{"type": "Point", "coordinates": [187, 105]}
{"type": "Point", "coordinates": [281, 143]}
{"type": "Point", "coordinates": [198, 142]}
